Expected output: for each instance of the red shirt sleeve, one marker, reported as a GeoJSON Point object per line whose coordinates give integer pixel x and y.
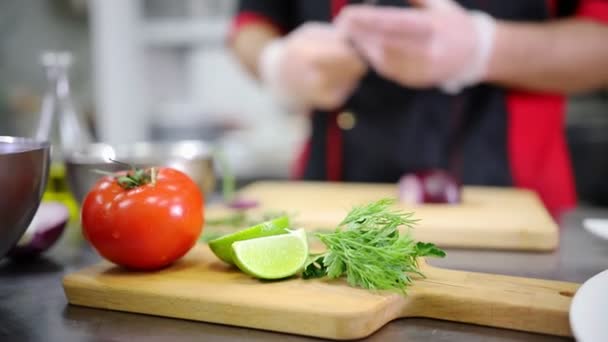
{"type": "Point", "coordinates": [277, 14]}
{"type": "Point", "coordinates": [593, 9]}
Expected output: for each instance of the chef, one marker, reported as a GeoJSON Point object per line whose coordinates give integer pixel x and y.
{"type": "Point", "coordinates": [472, 87]}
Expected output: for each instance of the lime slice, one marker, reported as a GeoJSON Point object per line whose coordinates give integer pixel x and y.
{"type": "Point", "coordinates": [272, 257]}
{"type": "Point", "coordinates": [222, 246]}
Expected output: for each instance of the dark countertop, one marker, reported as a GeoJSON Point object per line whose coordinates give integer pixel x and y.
{"type": "Point", "coordinates": [34, 308]}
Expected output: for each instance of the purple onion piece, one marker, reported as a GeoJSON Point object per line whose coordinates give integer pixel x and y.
{"type": "Point", "coordinates": [430, 186]}
{"type": "Point", "coordinates": [44, 230]}
{"type": "Point", "coordinates": [243, 204]}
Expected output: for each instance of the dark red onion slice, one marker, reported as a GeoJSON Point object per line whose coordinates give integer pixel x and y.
{"type": "Point", "coordinates": [430, 186]}
{"type": "Point", "coordinates": [44, 230]}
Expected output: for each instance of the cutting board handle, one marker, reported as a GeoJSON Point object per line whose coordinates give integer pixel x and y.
{"type": "Point", "coordinates": [525, 304]}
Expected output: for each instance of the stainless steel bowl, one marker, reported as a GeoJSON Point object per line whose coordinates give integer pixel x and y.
{"type": "Point", "coordinates": [192, 157]}
{"type": "Point", "coordinates": [24, 170]}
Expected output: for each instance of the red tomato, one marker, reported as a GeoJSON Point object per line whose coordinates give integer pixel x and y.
{"type": "Point", "coordinates": [145, 227]}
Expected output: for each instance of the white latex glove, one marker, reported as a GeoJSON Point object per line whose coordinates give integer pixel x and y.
{"type": "Point", "coordinates": [312, 67]}
{"type": "Point", "coordinates": [437, 43]}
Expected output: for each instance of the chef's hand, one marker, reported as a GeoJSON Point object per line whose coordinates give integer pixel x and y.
{"type": "Point", "coordinates": [436, 43]}
{"type": "Point", "coordinates": [312, 67]}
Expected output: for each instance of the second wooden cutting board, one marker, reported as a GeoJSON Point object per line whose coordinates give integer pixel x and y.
{"type": "Point", "coordinates": [488, 217]}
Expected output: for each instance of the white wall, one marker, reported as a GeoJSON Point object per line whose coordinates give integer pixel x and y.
{"type": "Point", "coordinates": [178, 71]}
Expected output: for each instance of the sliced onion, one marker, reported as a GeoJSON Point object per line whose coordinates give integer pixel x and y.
{"type": "Point", "coordinates": [243, 203]}
{"type": "Point", "coordinates": [430, 186]}
{"type": "Point", "coordinates": [44, 230]}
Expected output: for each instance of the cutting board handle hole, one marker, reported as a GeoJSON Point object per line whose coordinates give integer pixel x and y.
{"type": "Point", "coordinates": [566, 293]}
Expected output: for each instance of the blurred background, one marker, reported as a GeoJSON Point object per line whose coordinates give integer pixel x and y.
{"type": "Point", "coordinates": [160, 70]}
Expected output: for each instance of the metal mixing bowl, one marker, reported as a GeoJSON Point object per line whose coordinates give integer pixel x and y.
{"type": "Point", "coordinates": [24, 170]}
{"type": "Point", "coordinates": [192, 157]}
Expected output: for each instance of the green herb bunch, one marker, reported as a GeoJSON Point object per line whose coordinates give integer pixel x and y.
{"type": "Point", "coordinates": [369, 250]}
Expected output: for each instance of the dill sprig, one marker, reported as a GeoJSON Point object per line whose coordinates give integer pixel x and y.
{"type": "Point", "coordinates": [369, 250]}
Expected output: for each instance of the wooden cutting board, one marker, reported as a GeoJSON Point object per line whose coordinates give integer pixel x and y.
{"type": "Point", "coordinates": [202, 288]}
{"type": "Point", "coordinates": [487, 217]}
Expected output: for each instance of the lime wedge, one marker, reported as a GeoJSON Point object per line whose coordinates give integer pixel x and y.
{"type": "Point", "coordinates": [272, 257]}
{"type": "Point", "coordinates": [222, 246]}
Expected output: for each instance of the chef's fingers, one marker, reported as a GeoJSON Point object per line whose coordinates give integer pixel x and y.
{"type": "Point", "coordinates": [442, 5]}
{"type": "Point", "coordinates": [319, 33]}
{"type": "Point", "coordinates": [386, 20]}
{"type": "Point", "coordinates": [341, 61]}
{"type": "Point", "coordinates": [326, 93]}
{"type": "Point", "coordinates": [340, 74]}
{"type": "Point", "coordinates": [397, 59]}
{"type": "Point", "coordinates": [331, 76]}
{"type": "Point", "coordinates": [381, 46]}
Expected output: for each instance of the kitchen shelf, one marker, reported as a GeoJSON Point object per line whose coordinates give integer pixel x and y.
{"type": "Point", "coordinates": [180, 33]}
